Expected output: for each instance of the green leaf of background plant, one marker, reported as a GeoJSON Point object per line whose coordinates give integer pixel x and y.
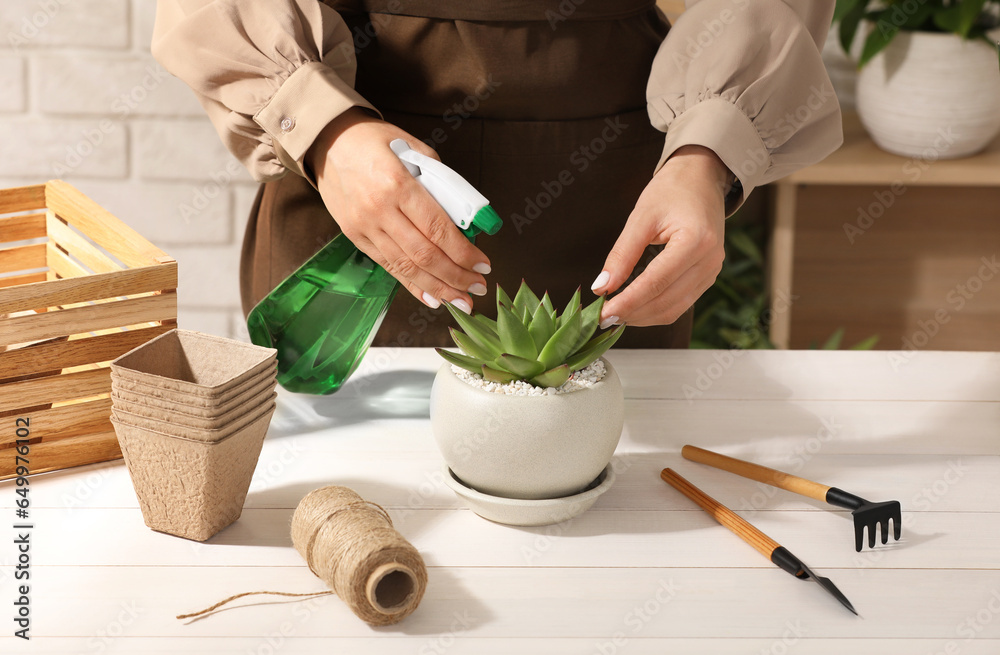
{"type": "Point", "coordinates": [595, 348]}
{"type": "Point", "coordinates": [514, 336]}
{"type": "Point", "coordinates": [460, 360]}
{"type": "Point", "coordinates": [554, 377]}
{"type": "Point", "coordinates": [541, 327]}
{"type": "Point", "coordinates": [470, 347]}
{"type": "Point", "coordinates": [877, 40]}
{"type": "Point", "coordinates": [849, 25]}
{"type": "Point", "coordinates": [558, 347]}
{"type": "Point", "coordinates": [866, 344]}
{"type": "Point", "coordinates": [743, 243]}
{"type": "Point", "coordinates": [523, 368]}
{"type": "Point", "coordinates": [833, 343]}
{"type": "Point", "coordinates": [842, 8]}
{"type": "Point", "coordinates": [959, 17]}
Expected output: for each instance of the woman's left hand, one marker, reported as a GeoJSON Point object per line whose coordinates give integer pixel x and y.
{"type": "Point", "coordinates": [682, 207]}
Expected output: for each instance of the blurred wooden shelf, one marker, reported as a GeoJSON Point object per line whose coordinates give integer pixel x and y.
{"type": "Point", "coordinates": [880, 244]}
{"type": "Point", "coordinates": [861, 162]}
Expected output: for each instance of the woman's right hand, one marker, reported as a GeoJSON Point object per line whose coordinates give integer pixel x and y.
{"type": "Point", "coordinates": [387, 214]}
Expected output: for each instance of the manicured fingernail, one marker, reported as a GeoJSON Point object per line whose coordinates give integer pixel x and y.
{"type": "Point", "coordinates": [608, 322]}
{"type": "Point", "coordinates": [601, 280]}
{"type": "Point", "coordinates": [461, 304]}
{"type": "Point", "coordinates": [478, 289]}
{"type": "Point", "coordinates": [482, 268]}
{"type": "Point", "coordinates": [431, 301]}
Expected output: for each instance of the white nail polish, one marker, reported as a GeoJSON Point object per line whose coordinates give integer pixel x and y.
{"type": "Point", "coordinates": [461, 304]}
{"type": "Point", "coordinates": [608, 322]}
{"type": "Point", "coordinates": [482, 268]}
{"type": "Point", "coordinates": [601, 280]}
{"type": "Point", "coordinates": [478, 289]}
{"type": "Point", "coordinates": [431, 301]}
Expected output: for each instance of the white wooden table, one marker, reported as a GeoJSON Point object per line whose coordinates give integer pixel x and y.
{"type": "Point", "coordinates": [643, 572]}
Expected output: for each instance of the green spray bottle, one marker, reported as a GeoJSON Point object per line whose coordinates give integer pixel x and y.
{"type": "Point", "coordinates": [323, 317]}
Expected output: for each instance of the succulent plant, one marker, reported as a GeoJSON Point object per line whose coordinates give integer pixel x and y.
{"type": "Point", "coordinates": [530, 340]}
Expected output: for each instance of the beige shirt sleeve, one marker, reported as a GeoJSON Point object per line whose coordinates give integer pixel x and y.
{"type": "Point", "coordinates": [745, 78]}
{"type": "Point", "coordinates": [270, 74]}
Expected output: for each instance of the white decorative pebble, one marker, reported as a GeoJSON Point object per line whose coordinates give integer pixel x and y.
{"type": "Point", "coordinates": [582, 379]}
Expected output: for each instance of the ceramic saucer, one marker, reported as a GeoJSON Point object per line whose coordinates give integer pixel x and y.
{"type": "Point", "coordinates": [514, 511]}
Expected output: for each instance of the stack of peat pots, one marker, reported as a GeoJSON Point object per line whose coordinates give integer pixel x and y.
{"type": "Point", "coordinates": [191, 411]}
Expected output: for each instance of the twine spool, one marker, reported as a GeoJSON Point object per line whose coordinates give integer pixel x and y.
{"type": "Point", "coordinates": [351, 545]}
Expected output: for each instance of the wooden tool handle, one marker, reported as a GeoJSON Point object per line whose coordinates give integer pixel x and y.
{"type": "Point", "coordinates": [764, 544]}
{"type": "Point", "coordinates": [757, 472]}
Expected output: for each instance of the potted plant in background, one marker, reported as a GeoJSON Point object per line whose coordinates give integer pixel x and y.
{"type": "Point", "coordinates": [528, 414]}
{"type": "Point", "coordinates": [928, 84]}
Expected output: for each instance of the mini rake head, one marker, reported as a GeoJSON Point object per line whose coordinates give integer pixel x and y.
{"type": "Point", "coordinates": [869, 515]}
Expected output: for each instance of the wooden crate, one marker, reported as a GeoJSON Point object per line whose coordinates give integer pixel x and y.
{"type": "Point", "coordinates": [78, 288]}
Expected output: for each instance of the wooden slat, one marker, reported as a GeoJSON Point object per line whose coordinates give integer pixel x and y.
{"type": "Point", "coordinates": [76, 352]}
{"type": "Point", "coordinates": [61, 264]}
{"type": "Point", "coordinates": [68, 386]}
{"type": "Point", "coordinates": [79, 247]}
{"type": "Point", "coordinates": [65, 453]}
{"type": "Point", "coordinates": [22, 198]}
{"type": "Point", "coordinates": [79, 320]}
{"type": "Point", "coordinates": [92, 287]}
{"type": "Point", "coordinates": [15, 280]}
{"type": "Point", "coordinates": [65, 422]}
{"type": "Point", "coordinates": [104, 228]}
{"type": "Point", "coordinates": [22, 258]}
{"type": "Point", "coordinates": [19, 228]}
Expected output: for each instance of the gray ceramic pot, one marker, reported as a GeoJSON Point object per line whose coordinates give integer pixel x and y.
{"type": "Point", "coordinates": [527, 447]}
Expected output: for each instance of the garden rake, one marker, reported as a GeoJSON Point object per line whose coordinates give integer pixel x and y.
{"type": "Point", "coordinates": [866, 513]}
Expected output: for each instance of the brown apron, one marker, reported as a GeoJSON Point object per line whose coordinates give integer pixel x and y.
{"type": "Point", "coordinates": [540, 105]}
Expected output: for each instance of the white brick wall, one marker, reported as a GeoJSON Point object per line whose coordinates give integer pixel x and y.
{"type": "Point", "coordinates": [81, 99]}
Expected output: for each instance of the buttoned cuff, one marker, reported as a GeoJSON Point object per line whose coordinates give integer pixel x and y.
{"type": "Point", "coordinates": [721, 127]}
{"type": "Point", "coordinates": [305, 103]}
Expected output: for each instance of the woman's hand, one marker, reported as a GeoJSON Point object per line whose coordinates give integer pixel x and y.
{"type": "Point", "coordinates": [386, 213]}
{"type": "Point", "coordinates": [683, 207]}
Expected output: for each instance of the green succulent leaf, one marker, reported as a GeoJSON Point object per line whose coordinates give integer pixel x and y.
{"type": "Point", "coordinates": [554, 377]}
{"type": "Point", "coordinates": [486, 322]}
{"type": "Point", "coordinates": [547, 303]}
{"type": "Point", "coordinates": [503, 299]}
{"type": "Point", "coordinates": [541, 327]}
{"type": "Point", "coordinates": [573, 305]}
{"type": "Point", "coordinates": [591, 319]}
{"type": "Point", "coordinates": [475, 330]}
{"type": "Point", "coordinates": [470, 347]}
{"type": "Point", "coordinates": [595, 348]}
{"type": "Point", "coordinates": [519, 366]}
{"type": "Point", "coordinates": [464, 361]}
{"type": "Point", "coordinates": [559, 347]}
{"type": "Point", "coordinates": [514, 336]}
{"type": "Point", "coordinates": [493, 375]}
{"type": "Point", "coordinates": [525, 299]}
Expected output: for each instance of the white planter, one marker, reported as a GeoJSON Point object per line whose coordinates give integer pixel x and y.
{"type": "Point", "coordinates": [527, 447]}
{"type": "Point", "coordinates": [933, 96]}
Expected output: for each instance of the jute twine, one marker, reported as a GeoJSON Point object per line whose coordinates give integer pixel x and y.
{"type": "Point", "coordinates": [351, 545]}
